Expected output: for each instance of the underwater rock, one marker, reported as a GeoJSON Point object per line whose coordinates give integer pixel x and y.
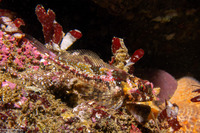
{"type": "Point", "coordinates": [49, 84]}
{"type": "Point", "coordinates": [35, 86]}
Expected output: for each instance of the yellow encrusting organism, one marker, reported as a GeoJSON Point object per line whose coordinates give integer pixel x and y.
{"type": "Point", "coordinates": [189, 112]}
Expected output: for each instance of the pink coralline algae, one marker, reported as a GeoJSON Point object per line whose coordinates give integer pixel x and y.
{"type": "Point", "coordinates": [54, 90]}
{"type": "Point", "coordinates": [18, 54]}
{"type": "Point", "coordinates": [8, 83]}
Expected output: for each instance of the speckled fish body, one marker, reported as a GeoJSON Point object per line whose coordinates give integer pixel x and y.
{"type": "Point", "coordinates": [99, 80]}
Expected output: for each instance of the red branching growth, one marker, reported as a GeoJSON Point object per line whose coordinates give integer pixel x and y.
{"type": "Point", "coordinates": [134, 129]}
{"type": "Point", "coordinates": [51, 29]}
{"type": "Point", "coordinates": [198, 90]}
{"type": "Point", "coordinates": [11, 26]}
{"type": "Point", "coordinates": [169, 114]}
{"type": "Point", "coordinates": [137, 55]}
{"type": "Point", "coordinates": [76, 33]}
{"type": "Point", "coordinates": [18, 22]}
{"type": "Point", "coordinates": [58, 33]}
{"type": "Point", "coordinates": [112, 60]}
{"type": "Point", "coordinates": [197, 98]}
{"type": "Point", "coordinates": [46, 19]}
{"type": "Point", "coordinates": [116, 44]}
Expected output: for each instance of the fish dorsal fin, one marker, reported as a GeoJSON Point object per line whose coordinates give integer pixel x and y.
{"type": "Point", "coordinates": [84, 56]}
{"type": "Point", "coordinates": [40, 47]}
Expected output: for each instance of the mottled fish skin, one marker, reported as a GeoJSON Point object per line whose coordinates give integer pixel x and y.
{"type": "Point", "coordinates": [189, 112]}
{"type": "Point", "coordinates": [100, 81]}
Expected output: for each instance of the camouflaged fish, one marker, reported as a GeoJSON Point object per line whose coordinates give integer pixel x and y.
{"type": "Point", "coordinates": [96, 80]}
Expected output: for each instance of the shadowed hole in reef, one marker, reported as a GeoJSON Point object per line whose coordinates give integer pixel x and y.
{"type": "Point", "coordinates": [70, 99]}
{"type": "Point", "coordinates": [144, 129]}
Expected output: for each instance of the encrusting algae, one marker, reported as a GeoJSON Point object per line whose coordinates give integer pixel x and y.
{"type": "Point", "coordinates": [49, 89]}
{"type": "Point", "coordinates": [189, 112]}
